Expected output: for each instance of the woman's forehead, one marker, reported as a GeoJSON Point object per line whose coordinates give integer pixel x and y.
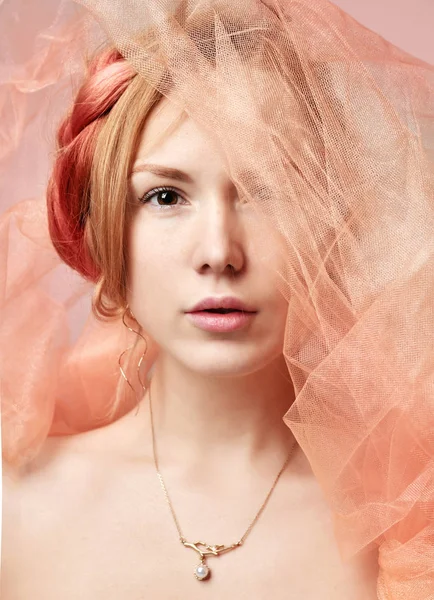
{"type": "Point", "coordinates": [170, 134]}
{"type": "Point", "coordinates": [162, 121]}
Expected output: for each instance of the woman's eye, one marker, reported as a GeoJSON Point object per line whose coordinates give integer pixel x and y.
{"type": "Point", "coordinates": [166, 197]}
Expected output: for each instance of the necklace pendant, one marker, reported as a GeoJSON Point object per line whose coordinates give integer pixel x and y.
{"type": "Point", "coordinates": [202, 571]}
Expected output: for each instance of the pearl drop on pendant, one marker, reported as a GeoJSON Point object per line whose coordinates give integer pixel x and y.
{"type": "Point", "coordinates": [201, 571]}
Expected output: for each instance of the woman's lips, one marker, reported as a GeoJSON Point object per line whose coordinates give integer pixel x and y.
{"type": "Point", "coordinates": [220, 322]}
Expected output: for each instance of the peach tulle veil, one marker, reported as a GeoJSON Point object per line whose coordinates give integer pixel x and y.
{"type": "Point", "coordinates": [328, 130]}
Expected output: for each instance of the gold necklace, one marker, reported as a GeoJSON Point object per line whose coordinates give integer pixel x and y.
{"type": "Point", "coordinates": [202, 571]}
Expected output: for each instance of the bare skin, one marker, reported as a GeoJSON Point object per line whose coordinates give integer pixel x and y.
{"type": "Point", "coordinates": [88, 519]}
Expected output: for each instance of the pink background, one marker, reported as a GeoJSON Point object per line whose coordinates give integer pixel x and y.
{"type": "Point", "coordinates": [408, 24]}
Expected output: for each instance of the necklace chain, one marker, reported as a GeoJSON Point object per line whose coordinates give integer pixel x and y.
{"type": "Point", "coordinates": [202, 571]}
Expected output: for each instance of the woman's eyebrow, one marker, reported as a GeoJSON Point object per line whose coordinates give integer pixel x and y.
{"type": "Point", "coordinates": [162, 171]}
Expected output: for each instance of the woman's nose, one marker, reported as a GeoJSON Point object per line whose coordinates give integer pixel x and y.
{"type": "Point", "coordinates": [219, 242]}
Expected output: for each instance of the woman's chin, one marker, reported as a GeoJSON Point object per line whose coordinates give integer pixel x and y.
{"type": "Point", "coordinates": [235, 361]}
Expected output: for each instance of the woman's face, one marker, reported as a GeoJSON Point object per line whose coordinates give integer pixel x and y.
{"type": "Point", "coordinates": [192, 242]}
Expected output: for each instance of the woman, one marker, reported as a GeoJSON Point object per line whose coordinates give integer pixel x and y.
{"type": "Point", "coordinates": [227, 157]}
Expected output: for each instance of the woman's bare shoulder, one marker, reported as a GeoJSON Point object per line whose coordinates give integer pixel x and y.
{"type": "Point", "coordinates": [60, 455]}
{"type": "Point", "coordinates": [69, 464]}
{"type": "Point", "coordinates": [68, 474]}
{"type": "Point", "coordinates": [57, 468]}
{"type": "Point", "coordinates": [55, 460]}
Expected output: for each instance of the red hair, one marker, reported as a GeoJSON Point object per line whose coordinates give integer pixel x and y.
{"type": "Point", "coordinates": [68, 194]}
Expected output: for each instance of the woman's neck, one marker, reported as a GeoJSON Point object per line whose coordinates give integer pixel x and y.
{"type": "Point", "coordinates": [203, 422]}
